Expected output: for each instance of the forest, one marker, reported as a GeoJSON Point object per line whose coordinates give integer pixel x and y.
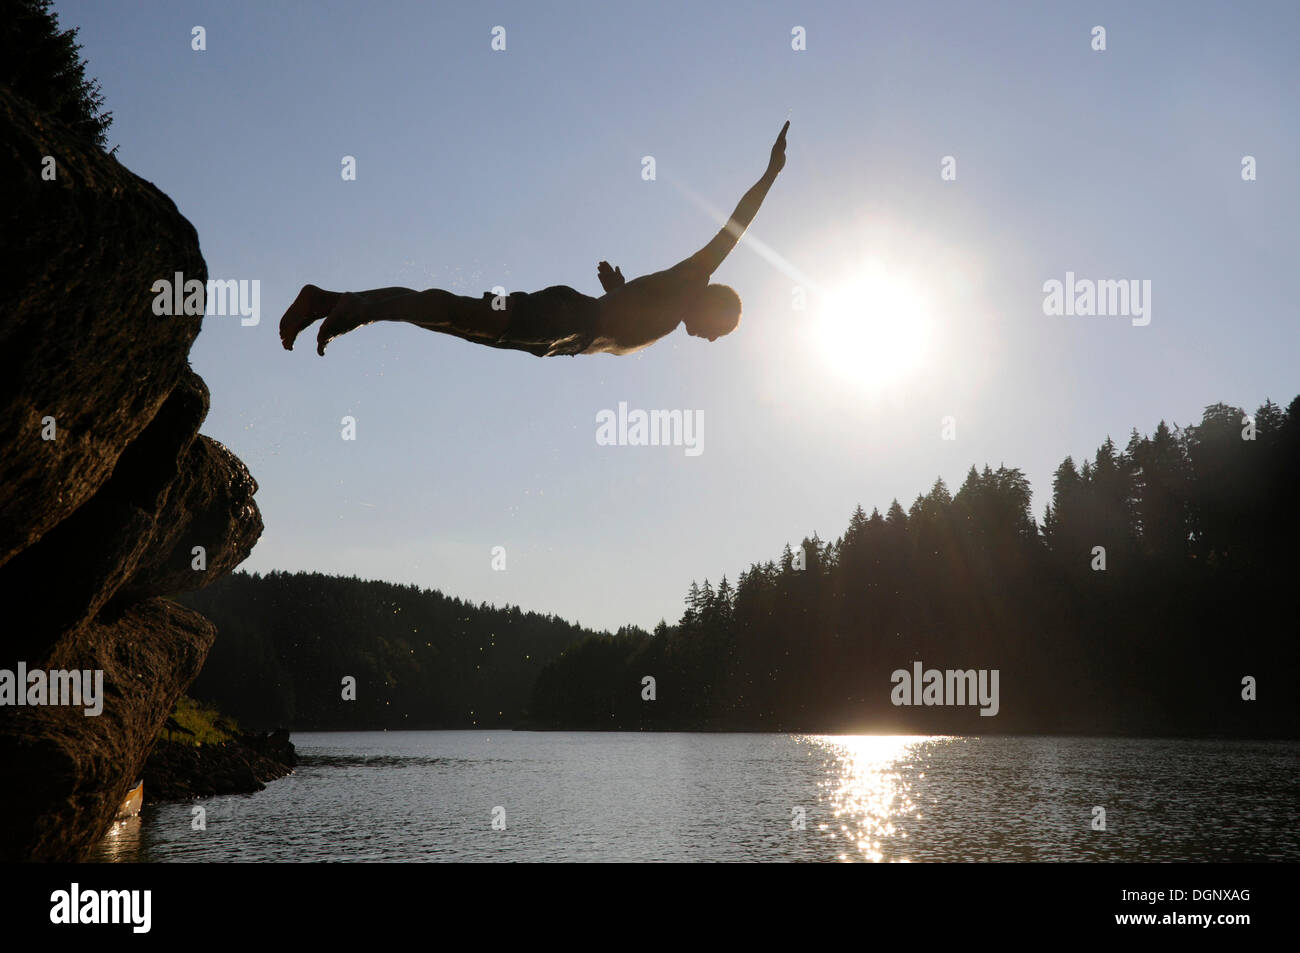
{"type": "Point", "coordinates": [1155, 587]}
{"type": "Point", "coordinates": [1151, 600]}
{"type": "Point", "coordinates": [420, 659]}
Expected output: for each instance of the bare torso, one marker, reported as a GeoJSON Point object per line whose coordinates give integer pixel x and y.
{"type": "Point", "coordinates": [645, 309]}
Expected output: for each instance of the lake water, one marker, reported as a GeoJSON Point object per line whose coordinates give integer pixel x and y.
{"type": "Point", "coordinates": [428, 796]}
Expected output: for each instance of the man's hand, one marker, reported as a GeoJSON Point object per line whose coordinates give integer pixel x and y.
{"type": "Point", "coordinates": [777, 162]}
{"type": "Point", "coordinates": [610, 278]}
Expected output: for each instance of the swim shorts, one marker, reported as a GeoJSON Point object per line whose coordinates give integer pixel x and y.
{"type": "Point", "coordinates": [558, 320]}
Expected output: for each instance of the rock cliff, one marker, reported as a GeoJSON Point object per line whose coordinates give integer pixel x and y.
{"type": "Point", "coordinates": [106, 486]}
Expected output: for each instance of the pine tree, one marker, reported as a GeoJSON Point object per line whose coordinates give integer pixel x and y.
{"type": "Point", "coordinates": [42, 64]}
{"type": "Point", "coordinates": [693, 605]}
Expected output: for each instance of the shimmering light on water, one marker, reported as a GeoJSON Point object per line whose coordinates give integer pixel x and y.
{"type": "Point", "coordinates": [867, 793]}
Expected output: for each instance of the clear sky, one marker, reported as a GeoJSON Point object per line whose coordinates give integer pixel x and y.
{"type": "Point", "coordinates": [523, 168]}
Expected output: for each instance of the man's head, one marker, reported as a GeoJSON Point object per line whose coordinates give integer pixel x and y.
{"type": "Point", "coordinates": [714, 313]}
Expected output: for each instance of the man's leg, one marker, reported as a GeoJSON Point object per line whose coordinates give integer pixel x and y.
{"type": "Point", "coordinates": [435, 310]}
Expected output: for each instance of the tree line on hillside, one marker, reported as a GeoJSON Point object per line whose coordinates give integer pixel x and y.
{"type": "Point", "coordinates": [1158, 586]}
{"type": "Point", "coordinates": [420, 659]}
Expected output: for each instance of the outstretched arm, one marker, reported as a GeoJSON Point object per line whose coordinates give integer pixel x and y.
{"type": "Point", "coordinates": [711, 255]}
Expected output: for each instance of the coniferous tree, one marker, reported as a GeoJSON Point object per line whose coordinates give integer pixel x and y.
{"type": "Point", "coordinates": [42, 64]}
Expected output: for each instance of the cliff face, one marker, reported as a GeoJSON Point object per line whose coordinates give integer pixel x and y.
{"type": "Point", "coordinates": [106, 486]}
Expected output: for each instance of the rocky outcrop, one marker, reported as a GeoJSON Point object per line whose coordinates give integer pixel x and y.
{"type": "Point", "coordinates": [66, 772]}
{"type": "Point", "coordinates": [177, 772]}
{"type": "Point", "coordinates": [106, 486]}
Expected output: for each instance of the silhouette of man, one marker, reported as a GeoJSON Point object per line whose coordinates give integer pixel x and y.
{"type": "Point", "coordinates": [557, 320]}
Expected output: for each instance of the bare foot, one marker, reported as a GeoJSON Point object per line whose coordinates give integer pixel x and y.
{"type": "Point", "coordinates": [348, 315]}
{"type": "Point", "coordinates": [310, 306]}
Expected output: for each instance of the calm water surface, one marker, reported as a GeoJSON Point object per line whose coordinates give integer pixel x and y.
{"type": "Point", "coordinates": [423, 796]}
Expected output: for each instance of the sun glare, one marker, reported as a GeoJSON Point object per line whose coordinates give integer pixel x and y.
{"type": "Point", "coordinates": [874, 328]}
{"type": "Point", "coordinates": [867, 792]}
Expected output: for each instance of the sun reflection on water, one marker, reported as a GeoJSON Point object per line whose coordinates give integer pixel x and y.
{"type": "Point", "coordinates": [122, 841]}
{"type": "Point", "coordinates": [867, 793]}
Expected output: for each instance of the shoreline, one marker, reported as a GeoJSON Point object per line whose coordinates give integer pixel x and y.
{"type": "Point", "coordinates": [801, 731]}
{"type": "Point", "coordinates": [176, 771]}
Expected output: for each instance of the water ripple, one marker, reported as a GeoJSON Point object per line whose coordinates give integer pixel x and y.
{"type": "Point", "coordinates": [418, 796]}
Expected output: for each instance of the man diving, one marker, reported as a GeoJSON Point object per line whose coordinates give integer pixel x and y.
{"type": "Point", "coordinates": [557, 320]}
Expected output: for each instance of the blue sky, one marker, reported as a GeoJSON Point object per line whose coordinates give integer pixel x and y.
{"type": "Point", "coordinates": [523, 168]}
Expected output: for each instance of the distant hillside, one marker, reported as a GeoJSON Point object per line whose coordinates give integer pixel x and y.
{"type": "Point", "coordinates": [285, 642]}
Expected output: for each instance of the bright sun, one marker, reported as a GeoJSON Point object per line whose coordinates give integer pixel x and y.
{"type": "Point", "coordinates": [874, 328]}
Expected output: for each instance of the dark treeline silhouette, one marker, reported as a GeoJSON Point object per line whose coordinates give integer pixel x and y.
{"type": "Point", "coordinates": [42, 63]}
{"type": "Point", "coordinates": [420, 659]}
{"type": "Point", "coordinates": [1198, 528]}
{"type": "Point", "coordinates": [1199, 531]}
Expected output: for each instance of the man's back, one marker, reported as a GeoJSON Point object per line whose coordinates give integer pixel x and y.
{"type": "Point", "coordinates": [646, 309]}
